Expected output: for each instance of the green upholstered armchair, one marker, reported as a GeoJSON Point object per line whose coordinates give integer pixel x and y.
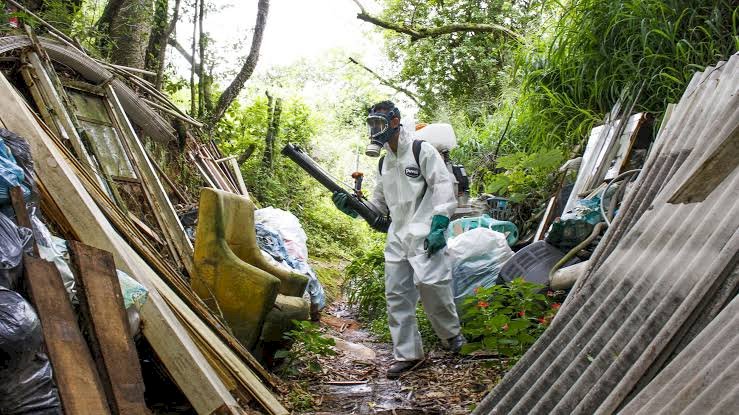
{"type": "Point", "coordinates": [257, 299]}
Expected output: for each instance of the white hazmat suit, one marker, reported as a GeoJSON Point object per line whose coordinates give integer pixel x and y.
{"type": "Point", "coordinates": [412, 198]}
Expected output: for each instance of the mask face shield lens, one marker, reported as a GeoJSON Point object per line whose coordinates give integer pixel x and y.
{"type": "Point", "coordinates": [376, 125]}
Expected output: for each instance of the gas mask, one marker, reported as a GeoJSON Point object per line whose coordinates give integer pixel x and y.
{"type": "Point", "coordinates": [380, 132]}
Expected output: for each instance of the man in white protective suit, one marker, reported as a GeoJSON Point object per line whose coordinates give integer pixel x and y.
{"type": "Point", "coordinates": [415, 188]}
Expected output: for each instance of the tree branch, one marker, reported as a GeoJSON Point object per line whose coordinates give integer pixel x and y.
{"type": "Point", "coordinates": [417, 33]}
{"type": "Point", "coordinates": [385, 82]}
{"type": "Point", "coordinates": [232, 91]}
{"type": "Point", "coordinates": [185, 54]}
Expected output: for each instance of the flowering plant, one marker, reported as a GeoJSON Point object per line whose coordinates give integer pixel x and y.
{"type": "Point", "coordinates": [506, 319]}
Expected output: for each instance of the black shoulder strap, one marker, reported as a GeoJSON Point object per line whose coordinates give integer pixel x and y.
{"type": "Point", "coordinates": [416, 155]}
{"type": "Point", "coordinates": [417, 151]}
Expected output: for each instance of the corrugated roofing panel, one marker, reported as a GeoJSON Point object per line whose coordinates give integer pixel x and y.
{"type": "Point", "coordinates": [654, 267]}
{"type": "Point", "coordinates": [705, 379]}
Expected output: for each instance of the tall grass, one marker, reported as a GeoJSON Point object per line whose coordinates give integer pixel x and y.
{"type": "Point", "coordinates": [597, 48]}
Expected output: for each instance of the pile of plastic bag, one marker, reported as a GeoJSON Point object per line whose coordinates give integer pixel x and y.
{"type": "Point", "coordinates": [477, 256]}
{"type": "Point", "coordinates": [284, 242]}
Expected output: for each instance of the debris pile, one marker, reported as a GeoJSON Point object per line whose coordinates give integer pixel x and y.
{"type": "Point", "coordinates": [646, 327]}
{"type": "Point", "coordinates": [113, 227]}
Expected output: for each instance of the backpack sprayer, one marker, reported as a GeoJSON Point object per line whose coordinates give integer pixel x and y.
{"type": "Point", "coordinates": [355, 201]}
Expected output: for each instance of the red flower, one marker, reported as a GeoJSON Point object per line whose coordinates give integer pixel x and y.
{"type": "Point", "coordinates": [543, 321]}
{"type": "Point", "coordinates": [550, 293]}
{"type": "Point", "coordinates": [556, 306]}
{"type": "Point", "coordinates": [483, 304]}
{"type": "Point", "coordinates": [522, 313]}
{"type": "Point", "coordinates": [477, 290]}
{"type": "Point", "coordinates": [505, 327]}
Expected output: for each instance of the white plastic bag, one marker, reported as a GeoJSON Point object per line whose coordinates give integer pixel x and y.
{"type": "Point", "coordinates": [477, 257]}
{"type": "Point", "coordinates": [288, 226]}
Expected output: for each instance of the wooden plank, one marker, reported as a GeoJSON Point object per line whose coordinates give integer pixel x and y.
{"type": "Point", "coordinates": [21, 214]}
{"type": "Point", "coordinates": [76, 378]}
{"type": "Point", "coordinates": [624, 145]}
{"type": "Point", "coordinates": [144, 228]}
{"type": "Point", "coordinates": [239, 178]}
{"type": "Point", "coordinates": [168, 220]}
{"type": "Point", "coordinates": [101, 304]}
{"type": "Point", "coordinates": [187, 365]}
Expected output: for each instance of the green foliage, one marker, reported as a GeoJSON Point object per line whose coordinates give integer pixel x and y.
{"type": "Point", "coordinates": [331, 234]}
{"type": "Point", "coordinates": [308, 344]}
{"type": "Point", "coordinates": [461, 70]}
{"type": "Point", "coordinates": [525, 174]}
{"type": "Point", "coordinates": [300, 399]}
{"type": "Point", "coordinates": [506, 319]}
{"type": "Point", "coordinates": [569, 71]}
{"type": "Point", "coordinates": [365, 283]}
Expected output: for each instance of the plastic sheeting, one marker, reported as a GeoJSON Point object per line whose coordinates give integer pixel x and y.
{"type": "Point", "coordinates": [26, 384]}
{"type": "Point", "coordinates": [21, 151]}
{"type": "Point", "coordinates": [477, 257]}
{"type": "Point", "coordinates": [458, 226]}
{"type": "Point", "coordinates": [280, 235]}
{"type": "Point", "coordinates": [11, 175]}
{"type": "Point", "coordinates": [289, 228]}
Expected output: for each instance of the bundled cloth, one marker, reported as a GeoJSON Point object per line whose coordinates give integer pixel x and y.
{"type": "Point", "coordinates": [283, 241]}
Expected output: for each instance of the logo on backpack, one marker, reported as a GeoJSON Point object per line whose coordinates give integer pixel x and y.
{"type": "Point", "coordinates": [412, 171]}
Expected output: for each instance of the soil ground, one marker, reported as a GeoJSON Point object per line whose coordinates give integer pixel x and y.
{"type": "Point", "coordinates": [354, 382]}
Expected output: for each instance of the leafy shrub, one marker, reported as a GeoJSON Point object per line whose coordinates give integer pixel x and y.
{"type": "Point", "coordinates": [506, 319]}
{"type": "Point", "coordinates": [365, 283]}
{"type": "Point", "coordinates": [308, 344]}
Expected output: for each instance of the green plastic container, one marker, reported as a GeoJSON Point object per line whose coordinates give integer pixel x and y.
{"type": "Point", "coordinates": [461, 225]}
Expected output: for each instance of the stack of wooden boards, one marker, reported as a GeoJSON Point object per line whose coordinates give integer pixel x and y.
{"type": "Point", "coordinates": [78, 188]}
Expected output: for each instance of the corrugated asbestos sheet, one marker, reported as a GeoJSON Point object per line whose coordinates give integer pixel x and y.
{"type": "Point", "coordinates": [661, 274]}
{"type": "Point", "coordinates": [705, 376]}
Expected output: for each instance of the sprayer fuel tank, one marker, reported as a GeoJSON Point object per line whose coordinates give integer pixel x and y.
{"type": "Point", "coordinates": [440, 135]}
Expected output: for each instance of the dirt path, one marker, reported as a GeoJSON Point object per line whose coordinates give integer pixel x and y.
{"type": "Point", "coordinates": [354, 382]}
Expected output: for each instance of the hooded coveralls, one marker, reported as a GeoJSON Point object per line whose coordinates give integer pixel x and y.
{"type": "Point", "coordinates": [412, 198]}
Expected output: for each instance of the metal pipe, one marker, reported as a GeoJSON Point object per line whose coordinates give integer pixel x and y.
{"type": "Point", "coordinates": [377, 221]}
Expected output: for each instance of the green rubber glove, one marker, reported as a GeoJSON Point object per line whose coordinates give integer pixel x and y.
{"type": "Point", "coordinates": [436, 240]}
{"type": "Point", "coordinates": [341, 201]}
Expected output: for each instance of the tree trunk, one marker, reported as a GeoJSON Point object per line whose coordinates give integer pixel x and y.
{"type": "Point", "coordinates": [163, 45]}
{"type": "Point", "coordinates": [201, 73]}
{"type": "Point", "coordinates": [193, 91]}
{"type": "Point", "coordinates": [129, 32]}
{"type": "Point", "coordinates": [159, 28]}
{"type": "Point", "coordinates": [232, 91]}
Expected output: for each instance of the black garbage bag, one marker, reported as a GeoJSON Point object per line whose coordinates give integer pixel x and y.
{"type": "Point", "coordinates": [14, 241]}
{"type": "Point", "coordinates": [26, 384]}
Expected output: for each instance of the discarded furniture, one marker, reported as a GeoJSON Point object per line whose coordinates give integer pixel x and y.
{"type": "Point", "coordinates": [257, 299]}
